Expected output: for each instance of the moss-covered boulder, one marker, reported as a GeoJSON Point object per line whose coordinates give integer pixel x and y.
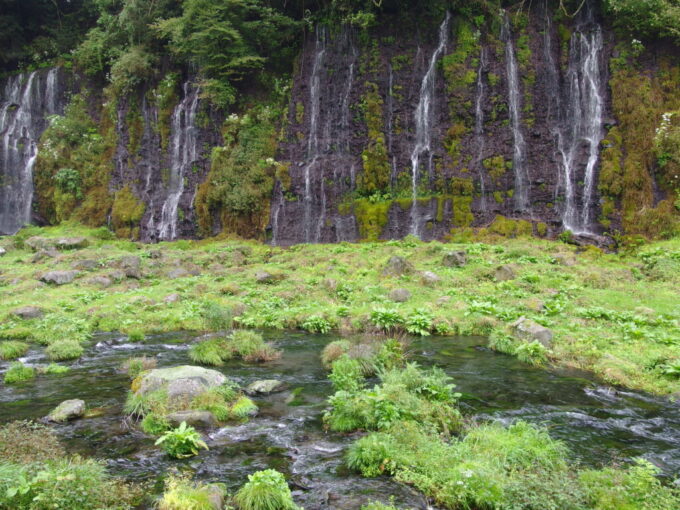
{"type": "Point", "coordinates": [183, 382]}
{"type": "Point", "coordinates": [67, 410]}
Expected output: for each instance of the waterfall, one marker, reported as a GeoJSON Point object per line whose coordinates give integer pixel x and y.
{"type": "Point", "coordinates": [183, 153]}
{"type": "Point", "coordinates": [423, 123]}
{"type": "Point", "coordinates": [479, 125]}
{"type": "Point", "coordinates": [521, 193]}
{"type": "Point", "coordinates": [25, 104]}
{"type": "Point", "coordinates": [581, 122]}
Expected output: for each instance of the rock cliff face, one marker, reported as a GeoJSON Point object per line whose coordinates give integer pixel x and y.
{"type": "Point", "coordinates": [416, 129]}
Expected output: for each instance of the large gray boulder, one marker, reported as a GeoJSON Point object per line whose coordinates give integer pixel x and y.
{"type": "Point", "coordinates": [397, 266]}
{"type": "Point", "coordinates": [400, 295]}
{"type": "Point", "coordinates": [67, 410]}
{"type": "Point", "coordinates": [265, 387]}
{"type": "Point", "coordinates": [72, 243]}
{"type": "Point", "coordinates": [182, 383]}
{"type": "Point", "coordinates": [48, 253]}
{"type": "Point", "coordinates": [59, 277]}
{"type": "Point", "coordinates": [200, 419]}
{"type": "Point", "coordinates": [456, 258]}
{"type": "Point", "coordinates": [531, 330]}
{"type": "Point", "coordinates": [28, 312]}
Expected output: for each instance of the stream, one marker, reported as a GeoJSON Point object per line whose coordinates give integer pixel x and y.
{"type": "Point", "coordinates": [600, 424]}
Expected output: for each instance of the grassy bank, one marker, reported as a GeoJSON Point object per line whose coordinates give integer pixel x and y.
{"type": "Point", "coordinates": [613, 314]}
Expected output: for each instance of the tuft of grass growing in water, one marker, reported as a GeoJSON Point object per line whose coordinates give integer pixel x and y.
{"type": "Point", "coordinates": [213, 351]}
{"type": "Point", "coordinates": [18, 372]}
{"type": "Point", "coordinates": [53, 369]}
{"type": "Point", "coordinates": [12, 349]}
{"type": "Point", "coordinates": [154, 424]}
{"type": "Point", "coordinates": [183, 494]}
{"type": "Point", "coordinates": [64, 350]}
{"type": "Point", "coordinates": [243, 408]}
{"type": "Point", "coordinates": [248, 345]}
{"type": "Point", "coordinates": [135, 366]}
{"type": "Point", "coordinates": [265, 490]}
{"type": "Point", "coordinates": [333, 351]}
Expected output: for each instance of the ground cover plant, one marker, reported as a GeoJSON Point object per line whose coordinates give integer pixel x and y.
{"type": "Point", "coordinates": [614, 314]}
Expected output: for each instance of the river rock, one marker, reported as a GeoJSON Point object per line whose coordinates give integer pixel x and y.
{"type": "Point", "coordinates": [265, 387]}
{"type": "Point", "coordinates": [178, 272]}
{"type": "Point", "coordinates": [504, 273]}
{"type": "Point", "coordinates": [28, 312]}
{"type": "Point", "coordinates": [37, 243]}
{"type": "Point", "coordinates": [397, 266]}
{"type": "Point", "coordinates": [184, 382]}
{"type": "Point", "coordinates": [201, 419]}
{"type": "Point", "coordinates": [72, 243]}
{"type": "Point", "coordinates": [85, 265]}
{"type": "Point", "coordinates": [172, 298]}
{"type": "Point", "coordinates": [455, 259]}
{"type": "Point", "coordinates": [67, 410]}
{"type": "Point", "coordinates": [531, 330]}
{"type": "Point", "coordinates": [429, 278]}
{"type": "Point", "coordinates": [100, 281]}
{"type": "Point", "coordinates": [59, 277]}
{"type": "Point", "coordinates": [48, 253]}
{"type": "Point", "coordinates": [400, 295]}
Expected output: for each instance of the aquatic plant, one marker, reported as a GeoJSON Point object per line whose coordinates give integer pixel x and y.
{"type": "Point", "coordinates": [210, 352]}
{"type": "Point", "coordinates": [243, 407]}
{"type": "Point", "coordinates": [181, 442]}
{"type": "Point", "coordinates": [154, 424]}
{"type": "Point", "coordinates": [333, 351]}
{"type": "Point", "coordinates": [265, 490]}
{"type": "Point", "coordinates": [347, 374]}
{"type": "Point", "coordinates": [64, 350]}
{"type": "Point", "coordinates": [18, 372]}
{"type": "Point", "coordinates": [12, 349]}
{"type": "Point", "coordinates": [183, 494]}
{"type": "Point", "coordinates": [135, 366]}
{"type": "Point", "coordinates": [53, 369]}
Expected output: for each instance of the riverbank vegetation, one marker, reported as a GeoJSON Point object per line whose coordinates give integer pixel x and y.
{"type": "Point", "coordinates": [614, 314]}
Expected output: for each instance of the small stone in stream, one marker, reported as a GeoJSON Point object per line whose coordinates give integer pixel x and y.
{"type": "Point", "coordinates": [72, 243]}
{"type": "Point", "coordinates": [41, 255]}
{"type": "Point", "coordinates": [454, 259]}
{"type": "Point", "coordinates": [531, 330]}
{"type": "Point", "coordinates": [176, 273]}
{"type": "Point", "coordinates": [67, 410]}
{"type": "Point", "coordinates": [397, 266]}
{"type": "Point", "coordinates": [429, 278]}
{"type": "Point", "coordinates": [202, 419]}
{"type": "Point", "coordinates": [172, 298]}
{"type": "Point", "coordinates": [28, 312]}
{"type": "Point", "coordinates": [504, 273]}
{"type": "Point", "coordinates": [85, 265]}
{"type": "Point", "coordinates": [59, 277]}
{"type": "Point", "coordinates": [400, 295]}
{"type": "Point", "coordinates": [265, 387]}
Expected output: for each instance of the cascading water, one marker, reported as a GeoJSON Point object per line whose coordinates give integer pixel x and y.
{"type": "Point", "coordinates": [183, 153]}
{"type": "Point", "coordinates": [581, 122]}
{"type": "Point", "coordinates": [479, 125]}
{"type": "Point", "coordinates": [521, 192]}
{"type": "Point", "coordinates": [423, 124]}
{"type": "Point", "coordinates": [27, 101]}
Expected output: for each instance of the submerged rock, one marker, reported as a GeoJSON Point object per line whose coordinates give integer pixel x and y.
{"type": "Point", "coordinates": [265, 387]}
{"type": "Point", "coordinates": [183, 382]}
{"type": "Point", "coordinates": [67, 410]}
{"type": "Point", "coordinates": [202, 419]}
{"type": "Point", "coordinates": [397, 266]}
{"type": "Point", "coordinates": [400, 295]}
{"type": "Point", "coordinates": [59, 277]}
{"type": "Point", "coordinates": [455, 259]}
{"type": "Point", "coordinates": [531, 330]}
{"type": "Point", "coordinates": [28, 312]}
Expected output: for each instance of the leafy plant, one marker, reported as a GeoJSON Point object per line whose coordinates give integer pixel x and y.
{"type": "Point", "coordinates": [182, 442]}
{"type": "Point", "coordinates": [243, 407]}
{"type": "Point", "coordinates": [419, 322]}
{"type": "Point", "coordinates": [265, 490]}
{"type": "Point", "coordinates": [182, 494]}
{"type": "Point", "coordinates": [18, 372]}
{"type": "Point", "coordinates": [386, 318]}
{"type": "Point", "coordinates": [346, 374]}
{"type": "Point", "coordinates": [64, 350]}
{"type": "Point", "coordinates": [317, 324]}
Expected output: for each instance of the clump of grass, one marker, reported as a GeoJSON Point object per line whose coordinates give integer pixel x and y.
{"type": "Point", "coordinates": [210, 352]}
{"type": "Point", "coordinates": [243, 408]}
{"type": "Point", "coordinates": [12, 349]}
{"type": "Point", "coordinates": [333, 351]}
{"type": "Point", "coordinates": [135, 366]}
{"type": "Point", "coordinates": [217, 317]}
{"type": "Point", "coordinates": [265, 490]}
{"type": "Point", "coordinates": [183, 494]}
{"type": "Point", "coordinates": [136, 335]}
{"type": "Point", "coordinates": [248, 345]}
{"type": "Point", "coordinates": [64, 350]}
{"type": "Point", "coordinates": [23, 442]}
{"type": "Point", "coordinates": [154, 425]}
{"type": "Point", "coordinates": [53, 369]}
{"type": "Point", "coordinates": [18, 372]}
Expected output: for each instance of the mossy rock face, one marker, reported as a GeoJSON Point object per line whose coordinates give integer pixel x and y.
{"type": "Point", "coordinates": [183, 382]}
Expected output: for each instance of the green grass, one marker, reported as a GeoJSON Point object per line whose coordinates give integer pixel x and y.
{"type": "Point", "coordinates": [182, 494]}
{"type": "Point", "coordinates": [265, 490]}
{"type": "Point", "coordinates": [12, 349]}
{"type": "Point", "coordinates": [18, 372]}
{"type": "Point", "coordinates": [628, 345]}
{"type": "Point", "coordinates": [64, 350]}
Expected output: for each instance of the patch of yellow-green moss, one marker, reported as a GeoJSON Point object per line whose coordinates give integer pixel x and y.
{"type": "Point", "coordinates": [126, 213]}
{"type": "Point", "coordinates": [376, 174]}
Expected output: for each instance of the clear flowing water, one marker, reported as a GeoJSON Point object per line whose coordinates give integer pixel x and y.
{"type": "Point", "coordinates": [480, 89]}
{"type": "Point", "coordinates": [598, 423]}
{"type": "Point", "coordinates": [581, 121]}
{"type": "Point", "coordinates": [183, 153]}
{"type": "Point", "coordinates": [26, 102]}
{"type": "Point", "coordinates": [423, 117]}
{"type": "Point", "coordinates": [521, 194]}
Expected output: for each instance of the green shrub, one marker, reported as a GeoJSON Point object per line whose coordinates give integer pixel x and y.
{"type": "Point", "coordinates": [386, 319]}
{"type": "Point", "coordinates": [317, 324]}
{"type": "Point", "coordinates": [333, 351]}
{"type": "Point", "coordinates": [18, 372]}
{"type": "Point", "coordinates": [210, 352]}
{"type": "Point", "coordinates": [265, 490]}
{"type": "Point", "coordinates": [136, 336]}
{"type": "Point", "coordinates": [12, 349]}
{"type": "Point", "coordinates": [531, 352]}
{"type": "Point", "coordinates": [182, 442]}
{"type": "Point", "coordinates": [346, 374]}
{"type": "Point", "coordinates": [181, 494]}
{"type": "Point", "coordinates": [154, 424]}
{"type": "Point", "coordinates": [419, 322]}
{"type": "Point", "coordinates": [64, 350]}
